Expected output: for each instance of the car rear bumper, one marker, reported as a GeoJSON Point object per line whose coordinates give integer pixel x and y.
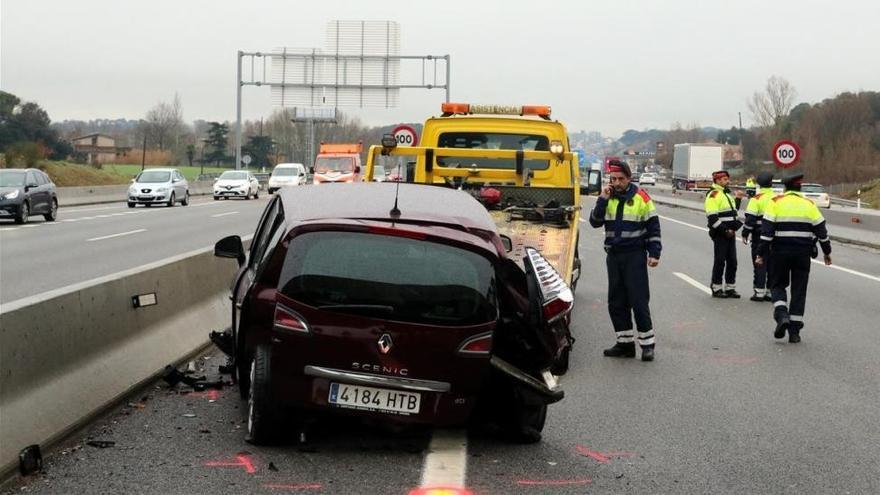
{"type": "Point", "coordinates": [307, 390]}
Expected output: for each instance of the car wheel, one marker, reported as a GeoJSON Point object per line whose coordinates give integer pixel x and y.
{"type": "Point", "coordinates": [53, 211]}
{"type": "Point", "coordinates": [185, 201]}
{"type": "Point", "coordinates": [260, 407]}
{"type": "Point", "coordinates": [23, 213]}
{"type": "Point", "coordinates": [256, 194]}
{"type": "Point", "coordinates": [171, 201]}
{"type": "Point", "coordinates": [216, 198]}
{"type": "Point", "coordinates": [527, 421]}
{"type": "Point", "coordinates": [131, 205]}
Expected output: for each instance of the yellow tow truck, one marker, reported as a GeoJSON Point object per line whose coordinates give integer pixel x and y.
{"type": "Point", "coordinates": [515, 160]}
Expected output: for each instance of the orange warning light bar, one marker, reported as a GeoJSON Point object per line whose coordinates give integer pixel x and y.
{"type": "Point", "coordinates": [448, 109]}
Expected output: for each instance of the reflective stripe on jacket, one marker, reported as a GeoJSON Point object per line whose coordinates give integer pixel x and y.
{"type": "Point", "coordinates": [630, 221]}
{"type": "Point", "coordinates": [791, 225]}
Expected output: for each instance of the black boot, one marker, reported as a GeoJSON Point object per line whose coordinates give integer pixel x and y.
{"type": "Point", "coordinates": [627, 350]}
{"type": "Point", "coordinates": [647, 353]}
{"type": "Point", "coordinates": [731, 294]}
{"type": "Point", "coordinates": [782, 326]}
{"type": "Point", "coordinates": [756, 297]}
{"type": "Point", "coordinates": [719, 293]}
{"type": "Point", "coordinates": [794, 335]}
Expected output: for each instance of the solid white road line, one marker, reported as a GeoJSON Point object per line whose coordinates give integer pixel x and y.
{"type": "Point", "coordinates": [446, 460]}
{"type": "Point", "coordinates": [116, 235]}
{"type": "Point", "coordinates": [818, 262]}
{"type": "Point", "coordinates": [224, 214]}
{"type": "Point", "coordinates": [693, 282]}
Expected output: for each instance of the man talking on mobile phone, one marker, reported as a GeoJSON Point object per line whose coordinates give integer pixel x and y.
{"type": "Point", "coordinates": [632, 243]}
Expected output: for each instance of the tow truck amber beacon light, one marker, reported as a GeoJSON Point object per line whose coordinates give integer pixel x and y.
{"type": "Point", "coordinates": [449, 109]}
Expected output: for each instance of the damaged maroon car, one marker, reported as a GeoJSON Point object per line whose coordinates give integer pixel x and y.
{"type": "Point", "coordinates": [394, 302]}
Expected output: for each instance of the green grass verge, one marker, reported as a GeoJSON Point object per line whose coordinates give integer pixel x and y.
{"type": "Point", "coordinates": [191, 173]}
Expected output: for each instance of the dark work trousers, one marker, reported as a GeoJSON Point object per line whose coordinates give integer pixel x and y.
{"type": "Point", "coordinates": [628, 296]}
{"type": "Point", "coordinates": [788, 269]}
{"type": "Point", "coordinates": [724, 262]}
{"type": "Point", "coordinates": [759, 282]}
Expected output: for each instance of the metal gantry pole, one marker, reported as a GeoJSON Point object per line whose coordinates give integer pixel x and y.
{"type": "Point", "coordinates": [238, 113]}
{"type": "Point", "coordinates": [448, 72]}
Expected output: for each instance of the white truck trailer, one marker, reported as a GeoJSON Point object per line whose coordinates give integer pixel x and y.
{"type": "Point", "coordinates": [693, 164]}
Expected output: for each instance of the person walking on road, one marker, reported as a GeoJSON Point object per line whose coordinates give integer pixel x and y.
{"type": "Point", "coordinates": [792, 224]}
{"type": "Point", "coordinates": [752, 228]}
{"type": "Point", "coordinates": [632, 244]}
{"type": "Point", "coordinates": [721, 210]}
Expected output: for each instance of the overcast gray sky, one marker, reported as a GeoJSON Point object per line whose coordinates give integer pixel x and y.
{"type": "Point", "coordinates": [605, 65]}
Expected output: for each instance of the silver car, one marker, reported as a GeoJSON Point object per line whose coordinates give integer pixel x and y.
{"type": "Point", "coordinates": [158, 186]}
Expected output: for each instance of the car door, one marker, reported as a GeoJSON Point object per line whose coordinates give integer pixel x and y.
{"type": "Point", "coordinates": [36, 192]}
{"type": "Point", "coordinates": [179, 185]}
{"type": "Point", "coordinates": [253, 183]}
{"type": "Point", "coordinates": [269, 223]}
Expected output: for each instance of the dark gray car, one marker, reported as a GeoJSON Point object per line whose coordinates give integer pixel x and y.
{"type": "Point", "coordinates": [26, 192]}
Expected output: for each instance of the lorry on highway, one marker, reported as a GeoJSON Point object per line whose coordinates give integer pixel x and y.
{"type": "Point", "coordinates": [693, 164]}
{"type": "Point", "coordinates": [337, 162]}
{"type": "Point", "coordinates": [516, 161]}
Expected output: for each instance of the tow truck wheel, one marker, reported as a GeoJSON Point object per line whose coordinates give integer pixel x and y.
{"type": "Point", "coordinates": [260, 407]}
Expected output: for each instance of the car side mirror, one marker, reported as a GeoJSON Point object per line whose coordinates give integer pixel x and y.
{"type": "Point", "coordinates": [132, 181]}
{"type": "Point", "coordinates": [311, 170]}
{"type": "Point", "coordinates": [357, 169]}
{"type": "Point", "coordinates": [30, 186]}
{"type": "Point", "coordinates": [507, 242]}
{"type": "Point", "coordinates": [230, 247]}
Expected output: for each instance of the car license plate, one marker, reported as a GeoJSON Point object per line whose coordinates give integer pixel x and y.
{"type": "Point", "coordinates": [374, 399]}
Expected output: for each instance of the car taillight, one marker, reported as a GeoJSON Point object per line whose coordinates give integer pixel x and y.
{"type": "Point", "coordinates": [556, 297]}
{"type": "Point", "coordinates": [477, 345]}
{"type": "Point", "coordinates": [409, 234]}
{"type": "Point", "coordinates": [290, 320]}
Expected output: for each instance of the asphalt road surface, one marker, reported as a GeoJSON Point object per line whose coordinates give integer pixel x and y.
{"type": "Point", "coordinates": [725, 408]}
{"type": "Point", "coordinates": [92, 241]}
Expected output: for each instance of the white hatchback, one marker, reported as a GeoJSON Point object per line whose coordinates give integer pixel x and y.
{"type": "Point", "coordinates": [287, 174]}
{"type": "Point", "coordinates": [236, 184]}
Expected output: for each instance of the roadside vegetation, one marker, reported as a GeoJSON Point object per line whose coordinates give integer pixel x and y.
{"type": "Point", "coordinates": [870, 195]}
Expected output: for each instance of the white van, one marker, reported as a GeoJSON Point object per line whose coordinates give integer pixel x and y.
{"type": "Point", "coordinates": [287, 174]}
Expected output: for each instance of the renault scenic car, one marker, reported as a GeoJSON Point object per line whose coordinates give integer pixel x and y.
{"type": "Point", "coordinates": [399, 306]}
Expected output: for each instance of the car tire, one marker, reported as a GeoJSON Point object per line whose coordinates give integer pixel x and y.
{"type": "Point", "coordinates": [261, 413]}
{"type": "Point", "coordinates": [271, 190]}
{"type": "Point", "coordinates": [23, 213]}
{"type": "Point", "coordinates": [256, 194]}
{"type": "Point", "coordinates": [171, 201]}
{"type": "Point", "coordinates": [53, 211]}
{"type": "Point", "coordinates": [216, 198]}
{"type": "Point", "coordinates": [527, 421]}
{"type": "Point", "coordinates": [185, 200]}
{"type": "Point", "coordinates": [131, 205]}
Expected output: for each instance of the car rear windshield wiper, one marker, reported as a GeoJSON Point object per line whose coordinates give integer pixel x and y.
{"type": "Point", "coordinates": [367, 308]}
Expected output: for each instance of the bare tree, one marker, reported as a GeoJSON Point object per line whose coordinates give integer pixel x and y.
{"type": "Point", "coordinates": [771, 108]}
{"type": "Point", "coordinates": [165, 123]}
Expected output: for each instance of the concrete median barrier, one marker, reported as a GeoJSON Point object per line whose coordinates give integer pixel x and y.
{"type": "Point", "coordinates": [67, 354]}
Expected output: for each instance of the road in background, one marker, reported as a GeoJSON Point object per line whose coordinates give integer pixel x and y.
{"type": "Point", "coordinates": [725, 408]}
{"type": "Point", "coordinates": [92, 241]}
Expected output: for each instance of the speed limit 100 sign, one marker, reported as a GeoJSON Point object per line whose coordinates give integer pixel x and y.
{"type": "Point", "coordinates": [405, 136]}
{"type": "Point", "coordinates": [786, 154]}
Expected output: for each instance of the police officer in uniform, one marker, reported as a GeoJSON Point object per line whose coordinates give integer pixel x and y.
{"type": "Point", "coordinates": [632, 241]}
{"type": "Point", "coordinates": [752, 228]}
{"type": "Point", "coordinates": [721, 208]}
{"type": "Point", "coordinates": [792, 224]}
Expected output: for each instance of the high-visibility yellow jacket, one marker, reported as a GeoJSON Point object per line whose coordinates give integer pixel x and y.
{"type": "Point", "coordinates": [755, 211]}
{"type": "Point", "coordinates": [792, 223]}
{"type": "Point", "coordinates": [631, 221]}
{"type": "Point", "coordinates": [721, 210]}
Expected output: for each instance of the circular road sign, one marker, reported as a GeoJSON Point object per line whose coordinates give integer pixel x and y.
{"type": "Point", "coordinates": [246, 159]}
{"type": "Point", "coordinates": [786, 154]}
{"type": "Point", "coordinates": [405, 136]}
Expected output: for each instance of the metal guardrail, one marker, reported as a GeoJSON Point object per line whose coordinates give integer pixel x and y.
{"type": "Point", "coordinates": [849, 202]}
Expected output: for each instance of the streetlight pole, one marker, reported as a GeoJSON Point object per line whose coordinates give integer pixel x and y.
{"type": "Point", "coordinates": [742, 144]}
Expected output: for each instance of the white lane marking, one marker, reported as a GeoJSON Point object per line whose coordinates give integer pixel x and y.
{"type": "Point", "coordinates": [31, 225]}
{"type": "Point", "coordinates": [103, 216]}
{"type": "Point", "coordinates": [446, 460]}
{"type": "Point", "coordinates": [693, 282]}
{"type": "Point", "coordinates": [818, 262]}
{"type": "Point", "coordinates": [116, 235]}
{"type": "Point", "coordinates": [583, 220]}
{"type": "Point", "coordinates": [117, 214]}
{"type": "Point", "coordinates": [77, 210]}
{"type": "Point", "coordinates": [224, 214]}
{"type": "Point", "coordinates": [704, 229]}
{"type": "Point", "coordinates": [9, 229]}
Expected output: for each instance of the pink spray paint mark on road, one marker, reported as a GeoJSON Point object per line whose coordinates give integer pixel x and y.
{"type": "Point", "coordinates": [598, 456]}
{"type": "Point", "coordinates": [241, 460]}
{"type": "Point", "coordinates": [554, 482]}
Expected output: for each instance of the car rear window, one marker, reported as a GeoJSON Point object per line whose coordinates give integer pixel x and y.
{"type": "Point", "coordinates": [416, 281]}
{"type": "Point", "coordinates": [286, 172]}
{"type": "Point", "coordinates": [812, 188]}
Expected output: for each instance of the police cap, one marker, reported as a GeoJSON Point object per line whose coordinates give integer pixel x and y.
{"type": "Point", "coordinates": [764, 179]}
{"type": "Point", "coordinates": [793, 180]}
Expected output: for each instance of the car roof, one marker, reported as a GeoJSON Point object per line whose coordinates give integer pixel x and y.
{"type": "Point", "coordinates": [374, 200]}
{"type": "Point", "coordinates": [289, 165]}
{"type": "Point", "coordinates": [166, 169]}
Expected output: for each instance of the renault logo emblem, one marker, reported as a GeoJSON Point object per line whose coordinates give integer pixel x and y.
{"type": "Point", "coordinates": [385, 343]}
